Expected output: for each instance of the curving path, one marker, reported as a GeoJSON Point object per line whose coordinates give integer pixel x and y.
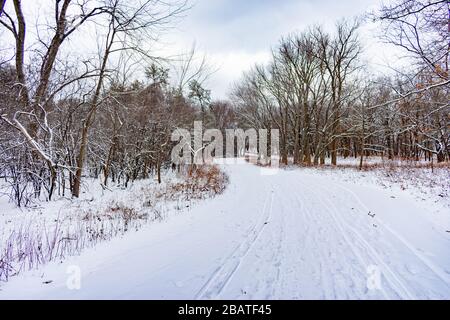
{"type": "Point", "coordinates": [291, 235]}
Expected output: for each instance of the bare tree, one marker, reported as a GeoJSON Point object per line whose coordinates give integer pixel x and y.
{"type": "Point", "coordinates": [35, 99]}
{"type": "Point", "coordinates": [52, 82]}
{"type": "Point", "coordinates": [2, 5]}
{"type": "Point", "coordinates": [338, 55]}
{"type": "Point", "coordinates": [125, 22]}
{"type": "Point", "coordinates": [422, 29]}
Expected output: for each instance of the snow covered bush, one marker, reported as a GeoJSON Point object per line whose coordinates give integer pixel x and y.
{"type": "Point", "coordinates": [33, 238]}
{"type": "Point", "coordinates": [201, 182]}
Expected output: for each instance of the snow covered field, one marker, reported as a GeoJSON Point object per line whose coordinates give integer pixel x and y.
{"type": "Point", "coordinates": [296, 234]}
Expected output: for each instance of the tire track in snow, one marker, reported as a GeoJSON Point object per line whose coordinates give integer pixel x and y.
{"type": "Point", "coordinates": [391, 277]}
{"type": "Point", "coordinates": [278, 255]}
{"type": "Point", "coordinates": [284, 250]}
{"type": "Point", "coordinates": [312, 217]}
{"type": "Point", "coordinates": [324, 268]}
{"type": "Point", "coordinates": [220, 278]}
{"type": "Point", "coordinates": [269, 253]}
{"type": "Point", "coordinates": [431, 266]}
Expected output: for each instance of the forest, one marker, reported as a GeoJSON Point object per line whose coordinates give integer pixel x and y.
{"type": "Point", "coordinates": [98, 98]}
{"type": "Point", "coordinates": [110, 113]}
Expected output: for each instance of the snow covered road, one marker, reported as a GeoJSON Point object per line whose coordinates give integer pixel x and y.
{"type": "Point", "coordinates": [292, 235]}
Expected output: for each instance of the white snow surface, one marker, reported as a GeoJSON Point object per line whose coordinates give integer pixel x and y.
{"type": "Point", "coordinates": [296, 234]}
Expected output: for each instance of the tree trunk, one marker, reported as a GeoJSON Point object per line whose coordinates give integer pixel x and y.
{"type": "Point", "coordinates": [90, 118]}
{"type": "Point", "coordinates": [158, 168]}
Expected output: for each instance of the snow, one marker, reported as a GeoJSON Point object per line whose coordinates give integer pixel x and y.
{"type": "Point", "coordinates": [295, 234]}
{"type": "Point", "coordinates": [53, 230]}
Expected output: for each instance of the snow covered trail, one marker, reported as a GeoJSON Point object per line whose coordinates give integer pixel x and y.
{"type": "Point", "coordinates": [292, 235]}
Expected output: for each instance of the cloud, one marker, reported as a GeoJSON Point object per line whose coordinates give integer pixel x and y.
{"type": "Point", "coordinates": [230, 66]}
{"type": "Point", "coordinates": [236, 34]}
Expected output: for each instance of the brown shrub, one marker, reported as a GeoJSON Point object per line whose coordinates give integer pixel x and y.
{"type": "Point", "coordinates": [199, 182]}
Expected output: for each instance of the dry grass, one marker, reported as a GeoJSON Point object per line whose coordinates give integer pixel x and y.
{"type": "Point", "coordinates": [200, 182]}
{"type": "Point", "coordinates": [395, 164]}
{"type": "Point", "coordinates": [31, 245]}
{"type": "Point", "coordinates": [115, 211]}
{"type": "Point", "coordinates": [434, 182]}
{"type": "Point", "coordinates": [426, 178]}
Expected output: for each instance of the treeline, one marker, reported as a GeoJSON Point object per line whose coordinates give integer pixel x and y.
{"type": "Point", "coordinates": [130, 138]}
{"type": "Point", "coordinates": [65, 117]}
{"type": "Point", "coordinates": [319, 94]}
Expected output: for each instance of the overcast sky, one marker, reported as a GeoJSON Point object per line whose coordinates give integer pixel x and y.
{"type": "Point", "coordinates": [236, 34]}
